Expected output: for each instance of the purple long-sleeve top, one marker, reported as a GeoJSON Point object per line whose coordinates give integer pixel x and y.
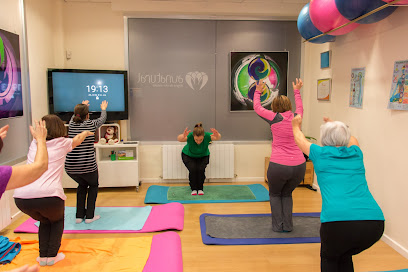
{"type": "Point", "coordinates": [284, 149]}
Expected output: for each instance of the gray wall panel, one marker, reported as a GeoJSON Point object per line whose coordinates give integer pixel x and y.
{"type": "Point", "coordinates": [160, 110]}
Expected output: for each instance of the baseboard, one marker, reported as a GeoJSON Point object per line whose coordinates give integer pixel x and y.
{"type": "Point", "coordinates": [249, 179]}
{"type": "Point", "coordinates": [396, 246]}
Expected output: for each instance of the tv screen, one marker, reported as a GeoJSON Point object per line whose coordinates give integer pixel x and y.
{"type": "Point", "coordinates": [11, 99]}
{"type": "Point", "coordinates": [69, 87]}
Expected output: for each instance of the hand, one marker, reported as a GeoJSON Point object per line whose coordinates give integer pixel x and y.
{"type": "Point", "coordinates": [86, 102]}
{"type": "Point", "coordinates": [39, 131]}
{"type": "Point", "coordinates": [297, 121]}
{"type": "Point", "coordinates": [327, 119]}
{"type": "Point", "coordinates": [260, 85]}
{"type": "Point", "coordinates": [104, 105]}
{"type": "Point", "coordinates": [298, 85]}
{"type": "Point", "coordinates": [186, 132]}
{"type": "Point", "coordinates": [3, 131]}
{"type": "Point", "coordinates": [26, 268]}
{"type": "Point", "coordinates": [88, 133]}
{"type": "Point", "coordinates": [215, 132]}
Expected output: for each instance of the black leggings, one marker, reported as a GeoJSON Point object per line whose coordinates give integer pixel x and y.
{"type": "Point", "coordinates": [343, 239]}
{"type": "Point", "coordinates": [50, 212]}
{"type": "Point", "coordinates": [87, 185]}
{"type": "Point", "coordinates": [196, 168]}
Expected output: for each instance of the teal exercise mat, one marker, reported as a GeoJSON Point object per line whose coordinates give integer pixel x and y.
{"type": "Point", "coordinates": [212, 194]}
{"type": "Point", "coordinates": [112, 218]}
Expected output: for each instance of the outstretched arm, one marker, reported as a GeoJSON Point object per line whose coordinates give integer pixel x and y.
{"type": "Point", "coordinates": [79, 138]}
{"type": "Point", "coordinates": [216, 135]}
{"type": "Point", "coordinates": [298, 98]}
{"type": "Point", "coordinates": [300, 139]}
{"type": "Point", "coordinates": [261, 111]}
{"type": "Point", "coordinates": [23, 175]}
{"type": "Point", "coordinates": [183, 136]}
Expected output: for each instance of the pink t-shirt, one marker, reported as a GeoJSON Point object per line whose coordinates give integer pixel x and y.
{"type": "Point", "coordinates": [284, 149]}
{"type": "Point", "coordinates": [50, 183]}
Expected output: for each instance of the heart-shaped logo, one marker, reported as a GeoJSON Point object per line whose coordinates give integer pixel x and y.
{"type": "Point", "coordinates": [196, 80]}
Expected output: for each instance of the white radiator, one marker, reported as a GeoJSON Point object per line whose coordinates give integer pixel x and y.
{"type": "Point", "coordinates": [5, 217]}
{"type": "Point", "coordinates": [221, 162]}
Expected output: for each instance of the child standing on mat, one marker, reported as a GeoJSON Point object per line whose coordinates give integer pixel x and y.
{"type": "Point", "coordinates": [287, 164]}
{"type": "Point", "coordinates": [44, 199]}
{"type": "Point", "coordinates": [196, 155]}
{"type": "Point", "coordinates": [81, 164]}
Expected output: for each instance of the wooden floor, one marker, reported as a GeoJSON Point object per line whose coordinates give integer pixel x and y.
{"type": "Point", "coordinates": [198, 257]}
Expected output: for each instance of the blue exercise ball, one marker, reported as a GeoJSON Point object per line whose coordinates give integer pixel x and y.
{"type": "Point", "coordinates": [308, 30]}
{"type": "Point", "coordinates": [351, 9]}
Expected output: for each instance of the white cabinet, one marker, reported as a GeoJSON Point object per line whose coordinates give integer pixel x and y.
{"type": "Point", "coordinates": [114, 172]}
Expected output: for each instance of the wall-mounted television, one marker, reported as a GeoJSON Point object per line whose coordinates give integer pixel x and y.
{"type": "Point", "coordinates": [69, 87]}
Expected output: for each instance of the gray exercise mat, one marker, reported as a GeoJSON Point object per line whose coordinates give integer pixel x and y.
{"type": "Point", "coordinates": [259, 227]}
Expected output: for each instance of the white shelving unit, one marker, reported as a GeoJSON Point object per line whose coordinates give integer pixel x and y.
{"type": "Point", "coordinates": [117, 173]}
{"type": "Point", "coordinates": [113, 173]}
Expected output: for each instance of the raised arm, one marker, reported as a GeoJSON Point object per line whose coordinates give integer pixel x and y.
{"type": "Point", "coordinates": [183, 136]}
{"type": "Point", "coordinates": [101, 120]}
{"type": "Point", "coordinates": [298, 98]}
{"type": "Point", "coordinates": [79, 138]}
{"type": "Point", "coordinates": [300, 139]}
{"type": "Point", "coordinates": [25, 174]}
{"type": "Point", "coordinates": [216, 135]}
{"type": "Point", "coordinates": [261, 111]}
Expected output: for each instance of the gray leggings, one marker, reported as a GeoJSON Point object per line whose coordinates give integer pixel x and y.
{"type": "Point", "coordinates": [282, 180]}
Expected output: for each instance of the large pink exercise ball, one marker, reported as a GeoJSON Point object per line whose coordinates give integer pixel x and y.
{"type": "Point", "coordinates": [402, 2]}
{"type": "Point", "coordinates": [352, 9]}
{"type": "Point", "coordinates": [307, 30]}
{"type": "Point", "coordinates": [325, 16]}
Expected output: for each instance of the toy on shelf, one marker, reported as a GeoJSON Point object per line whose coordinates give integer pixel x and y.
{"type": "Point", "coordinates": [110, 135]}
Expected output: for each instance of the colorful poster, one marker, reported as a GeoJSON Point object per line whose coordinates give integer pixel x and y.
{"type": "Point", "coordinates": [357, 87]}
{"type": "Point", "coordinates": [399, 87]}
{"type": "Point", "coordinates": [324, 89]}
{"type": "Point", "coordinates": [247, 68]}
{"type": "Point", "coordinates": [11, 102]}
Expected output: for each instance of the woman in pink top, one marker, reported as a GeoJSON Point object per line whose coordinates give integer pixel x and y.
{"type": "Point", "coordinates": [44, 199]}
{"type": "Point", "coordinates": [287, 165]}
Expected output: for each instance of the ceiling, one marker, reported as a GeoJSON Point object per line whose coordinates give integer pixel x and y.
{"type": "Point", "coordinates": [215, 9]}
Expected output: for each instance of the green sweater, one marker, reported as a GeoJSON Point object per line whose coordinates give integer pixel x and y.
{"type": "Point", "coordinates": [195, 150]}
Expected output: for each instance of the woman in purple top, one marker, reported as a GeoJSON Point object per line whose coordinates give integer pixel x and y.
{"type": "Point", "coordinates": [287, 165]}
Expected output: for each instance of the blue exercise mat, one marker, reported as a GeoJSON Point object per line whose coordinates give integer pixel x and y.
{"type": "Point", "coordinates": [112, 218]}
{"type": "Point", "coordinates": [402, 270]}
{"type": "Point", "coordinates": [158, 194]}
{"type": "Point", "coordinates": [208, 240]}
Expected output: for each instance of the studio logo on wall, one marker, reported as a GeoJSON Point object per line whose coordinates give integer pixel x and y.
{"type": "Point", "coordinates": [196, 80]}
{"type": "Point", "coordinates": [11, 103]}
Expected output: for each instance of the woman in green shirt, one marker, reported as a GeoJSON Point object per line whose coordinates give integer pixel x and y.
{"type": "Point", "coordinates": [196, 155]}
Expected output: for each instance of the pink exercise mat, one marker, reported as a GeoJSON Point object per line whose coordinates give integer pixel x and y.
{"type": "Point", "coordinates": [162, 217]}
{"type": "Point", "coordinates": [165, 253]}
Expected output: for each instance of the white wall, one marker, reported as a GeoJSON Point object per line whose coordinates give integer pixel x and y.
{"type": "Point", "coordinates": [380, 131]}
{"type": "Point", "coordinates": [44, 39]}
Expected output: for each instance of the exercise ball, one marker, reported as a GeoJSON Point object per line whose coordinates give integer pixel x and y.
{"type": "Point", "coordinates": [325, 16]}
{"type": "Point", "coordinates": [352, 9]}
{"type": "Point", "coordinates": [307, 30]}
{"type": "Point", "coordinates": [402, 2]}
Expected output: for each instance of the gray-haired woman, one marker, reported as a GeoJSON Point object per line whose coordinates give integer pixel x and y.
{"type": "Point", "coordinates": [351, 220]}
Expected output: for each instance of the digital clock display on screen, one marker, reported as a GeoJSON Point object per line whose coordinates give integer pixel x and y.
{"type": "Point", "coordinates": [70, 89]}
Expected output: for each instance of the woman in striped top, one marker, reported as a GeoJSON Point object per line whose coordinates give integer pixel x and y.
{"type": "Point", "coordinates": [81, 165]}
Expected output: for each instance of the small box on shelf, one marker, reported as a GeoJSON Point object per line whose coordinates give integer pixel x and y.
{"type": "Point", "coordinates": [125, 155]}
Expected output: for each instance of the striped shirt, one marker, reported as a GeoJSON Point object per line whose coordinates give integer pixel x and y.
{"type": "Point", "coordinates": [82, 158]}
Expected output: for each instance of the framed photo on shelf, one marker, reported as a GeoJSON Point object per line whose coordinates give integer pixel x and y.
{"type": "Point", "coordinates": [324, 89]}
{"type": "Point", "coordinates": [325, 60]}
